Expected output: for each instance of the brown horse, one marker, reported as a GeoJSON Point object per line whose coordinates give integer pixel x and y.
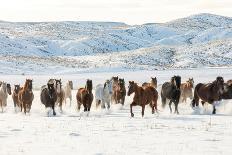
{"type": "Point", "coordinates": [26, 96]}
{"type": "Point", "coordinates": [187, 90]}
{"type": "Point", "coordinates": [227, 94]}
{"type": "Point", "coordinates": [85, 96]}
{"type": "Point", "coordinates": [210, 93]}
{"type": "Point", "coordinates": [153, 83]}
{"type": "Point", "coordinates": [60, 93]}
{"type": "Point", "coordinates": [120, 92]}
{"type": "Point", "coordinates": [114, 82]}
{"type": "Point", "coordinates": [142, 97]}
{"type": "Point", "coordinates": [15, 96]}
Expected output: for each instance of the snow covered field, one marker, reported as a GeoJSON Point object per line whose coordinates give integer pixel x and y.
{"type": "Point", "coordinates": [114, 131]}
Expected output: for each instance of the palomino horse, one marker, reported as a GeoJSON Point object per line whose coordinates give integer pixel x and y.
{"type": "Point", "coordinates": [59, 91]}
{"type": "Point", "coordinates": [5, 89]}
{"type": "Point", "coordinates": [85, 96]}
{"type": "Point", "coordinates": [120, 92]}
{"type": "Point", "coordinates": [103, 94]}
{"type": "Point", "coordinates": [142, 97]}
{"type": "Point", "coordinates": [48, 96]}
{"type": "Point", "coordinates": [15, 97]}
{"type": "Point", "coordinates": [187, 90]}
{"type": "Point", "coordinates": [210, 93]}
{"type": "Point", "coordinates": [68, 92]}
{"type": "Point", "coordinates": [26, 96]}
{"type": "Point", "coordinates": [153, 83]}
{"type": "Point", "coordinates": [171, 90]}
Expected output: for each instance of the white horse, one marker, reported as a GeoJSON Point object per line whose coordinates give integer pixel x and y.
{"type": "Point", "coordinates": [68, 91]}
{"type": "Point", "coordinates": [5, 89]}
{"type": "Point", "coordinates": [103, 94]}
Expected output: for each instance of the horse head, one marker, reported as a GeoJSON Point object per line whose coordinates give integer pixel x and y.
{"type": "Point", "coordinates": [131, 88]}
{"type": "Point", "coordinates": [4, 87]}
{"type": "Point", "coordinates": [121, 83]}
{"type": "Point", "coordinates": [154, 81]}
{"type": "Point", "coordinates": [58, 85]}
{"type": "Point", "coordinates": [16, 88]}
{"type": "Point", "coordinates": [176, 81]}
{"type": "Point", "coordinates": [220, 84]}
{"type": "Point", "coordinates": [8, 87]}
{"type": "Point", "coordinates": [89, 85]}
{"type": "Point", "coordinates": [108, 86]}
{"type": "Point", "coordinates": [28, 84]}
{"type": "Point", "coordinates": [191, 82]}
{"type": "Point", "coordinates": [70, 83]}
{"type": "Point", "coordinates": [51, 89]}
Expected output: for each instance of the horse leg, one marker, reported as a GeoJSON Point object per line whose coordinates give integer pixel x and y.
{"type": "Point", "coordinates": [131, 105]}
{"type": "Point", "coordinates": [53, 109]}
{"type": "Point", "coordinates": [170, 106]}
{"type": "Point", "coordinates": [123, 100]}
{"type": "Point", "coordinates": [214, 110]}
{"type": "Point", "coordinates": [103, 106]}
{"type": "Point", "coordinates": [163, 99]}
{"type": "Point", "coordinates": [25, 108]}
{"type": "Point", "coordinates": [70, 100]}
{"type": "Point", "coordinates": [176, 108]}
{"type": "Point", "coordinates": [78, 106]}
{"type": "Point", "coordinates": [108, 105]}
{"type": "Point", "coordinates": [143, 108]}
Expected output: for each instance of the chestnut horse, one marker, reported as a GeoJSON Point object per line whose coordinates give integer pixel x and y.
{"type": "Point", "coordinates": [85, 96]}
{"type": "Point", "coordinates": [210, 93]}
{"type": "Point", "coordinates": [142, 97]}
{"type": "Point", "coordinates": [15, 96]}
{"type": "Point", "coordinates": [171, 90]}
{"type": "Point", "coordinates": [187, 90]}
{"type": "Point", "coordinates": [120, 92]}
{"type": "Point", "coordinates": [153, 83]}
{"type": "Point", "coordinates": [26, 96]}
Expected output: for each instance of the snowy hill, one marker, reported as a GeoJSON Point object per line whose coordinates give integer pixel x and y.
{"type": "Point", "coordinates": [194, 41]}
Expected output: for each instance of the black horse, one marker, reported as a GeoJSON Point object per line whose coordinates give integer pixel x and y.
{"type": "Point", "coordinates": [171, 90]}
{"type": "Point", "coordinates": [227, 94]}
{"type": "Point", "coordinates": [48, 96]}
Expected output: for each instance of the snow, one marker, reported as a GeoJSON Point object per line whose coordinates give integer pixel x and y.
{"type": "Point", "coordinates": [114, 131]}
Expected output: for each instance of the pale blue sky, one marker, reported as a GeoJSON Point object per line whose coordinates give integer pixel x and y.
{"type": "Point", "coordinates": [128, 11]}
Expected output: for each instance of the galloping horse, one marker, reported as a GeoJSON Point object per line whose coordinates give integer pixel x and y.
{"type": "Point", "coordinates": [120, 92]}
{"type": "Point", "coordinates": [15, 96]}
{"type": "Point", "coordinates": [5, 89]}
{"type": "Point", "coordinates": [26, 96]}
{"type": "Point", "coordinates": [48, 96]}
{"type": "Point", "coordinates": [171, 90]}
{"type": "Point", "coordinates": [186, 90]}
{"type": "Point", "coordinates": [227, 94]}
{"type": "Point", "coordinates": [142, 97]}
{"type": "Point", "coordinates": [114, 83]}
{"type": "Point", "coordinates": [85, 96]}
{"type": "Point", "coordinates": [153, 83]}
{"type": "Point", "coordinates": [68, 92]}
{"type": "Point", "coordinates": [210, 93]}
{"type": "Point", "coordinates": [103, 94]}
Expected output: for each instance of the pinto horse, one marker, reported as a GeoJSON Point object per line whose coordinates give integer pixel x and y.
{"type": "Point", "coordinates": [210, 93]}
{"type": "Point", "coordinates": [120, 92]}
{"type": "Point", "coordinates": [142, 97]}
{"type": "Point", "coordinates": [85, 96]}
{"type": "Point", "coordinates": [26, 96]}
{"type": "Point", "coordinates": [171, 90]}
{"type": "Point", "coordinates": [153, 83]}
{"type": "Point", "coordinates": [187, 90]}
{"type": "Point", "coordinates": [48, 96]}
{"type": "Point", "coordinates": [15, 96]}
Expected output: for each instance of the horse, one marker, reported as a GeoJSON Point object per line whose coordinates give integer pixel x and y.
{"type": "Point", "coordinates": [48, 96]}
{"type": "Point", "coordinates": [5, 89]}
{"type": "Point", "coordinates": [142, 97]}
{"type": "Point", "coordinates": [210, 93]}
{"type": "Point", "coordinates": [15, 96]}
{"type": "Point", "coordinates": [103, 94]}
{"type": "Point", "coordinates": [227, 94]}
{"type": "Point", "coordinates": [187, 90]}
{"type": "Point", "coordinates": [114, 82]}
{"type": "Point", "coordinates": [171, 90]}
{"type": "Point", "coordinates": [153, 83]}
{"type": "Point", "coordinates": [68, 92]}
{"type": "Point", "coordinates": [26, 96]}
{"type": "Point", "coordinates": [120, 92]}
{"type": "Point", "coordinates": [85, 96]}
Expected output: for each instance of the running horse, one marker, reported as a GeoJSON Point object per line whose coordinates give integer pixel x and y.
{"type": "Point", "coordinates": [211, 93]}
{"type": "Point", "coordinates": [187, 90]}
{"type": "Point", "coordinates": [85, 96]}
{"type": "Point", "coordinates": [142, 97]}
{"type": "Point", "coordinates": [26, 96]}
{"type": "Point", "coordinates": [153, 83]}
{"type": "Point", "coordinates": [120, 92]}
{"type": "Point", "coordinates": [15, 96]}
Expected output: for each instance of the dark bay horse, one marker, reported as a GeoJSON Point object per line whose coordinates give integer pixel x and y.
{"type": "Point", "coordinates": [153, 83]}
{"type": "Point", "coordinates": [26, 96]}
{"type": "Point", "coordinates": [227, 94]}
{"type": "Point", "coordinates": [142, 97]}
{"type": "Point", "coordinates": [187, 90]}
{"type": "Point", "coordinates": [85, 96]}
{"type": "Point", "coordinates": [171, 90]}
{"type": "Point", "coordinates": [210, 93]}
{"type": "Point", "coordinates": [15, 96]}
{"type": "Point", "coordinates": [48, 96]}
{"type": "Point", "coordinates": [120, 92]}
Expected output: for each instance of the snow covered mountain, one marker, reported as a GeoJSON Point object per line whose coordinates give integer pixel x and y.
{"type": "Point", "coordinates": [194, 41]}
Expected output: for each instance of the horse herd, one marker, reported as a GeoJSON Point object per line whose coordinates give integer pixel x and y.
{"type": "Point", "coordinates": [114, 91]}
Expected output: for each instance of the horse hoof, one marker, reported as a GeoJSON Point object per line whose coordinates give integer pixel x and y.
{"type": "Point", "coordinates": [54, 113]}
{"type": "Point", "coordinates": [132, 115]}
